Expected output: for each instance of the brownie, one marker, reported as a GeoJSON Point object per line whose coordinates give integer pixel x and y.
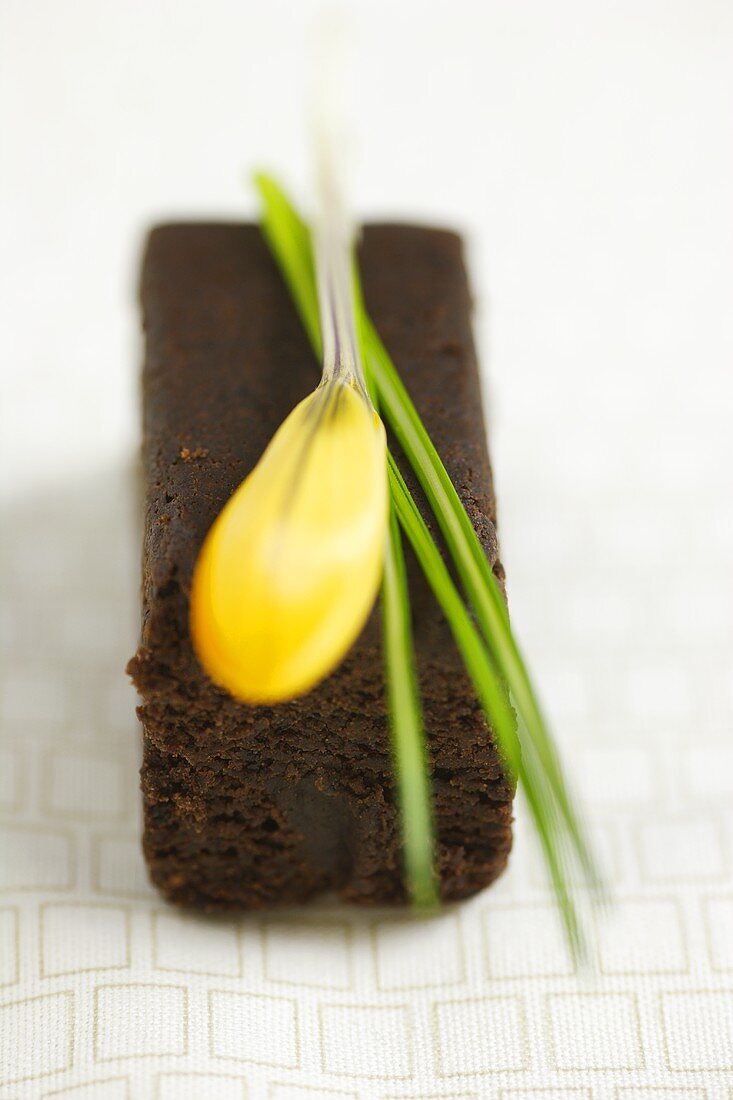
{"type": "Point", "coordinates": [248, 807]}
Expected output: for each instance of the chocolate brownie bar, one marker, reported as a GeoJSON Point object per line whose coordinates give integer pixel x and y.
{"type": "Point", "coordinates": [248, 807]}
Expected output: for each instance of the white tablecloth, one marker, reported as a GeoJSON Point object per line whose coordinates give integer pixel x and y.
{"type": "Point", "coordinates": [586, 149]}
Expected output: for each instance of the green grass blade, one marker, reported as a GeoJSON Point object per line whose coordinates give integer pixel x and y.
{"type": "Point", "coordinates": [473, 569]}
{"type": "Point", "coordinates": [492, 694]}
{"type": "Point", "coordinates": [472, 566]}
{"type": "Point", "coordinates": [407, 733]}
{"type": "Point", "coordinates": [494, 700]}
{"type": "Point", "coordinates": [290, 243]}
{"type": "Point", "coordinates": [560, 831]}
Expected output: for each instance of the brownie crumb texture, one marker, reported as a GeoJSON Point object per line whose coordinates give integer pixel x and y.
{"type": "Point", "coordinates": [252, 807]}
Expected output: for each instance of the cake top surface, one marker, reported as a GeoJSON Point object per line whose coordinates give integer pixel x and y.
{"type": "Point", "coordinates": [227, 359]}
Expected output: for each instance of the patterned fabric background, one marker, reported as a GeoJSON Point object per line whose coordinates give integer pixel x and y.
{"type": "Point", "coordinates": [585, 149]}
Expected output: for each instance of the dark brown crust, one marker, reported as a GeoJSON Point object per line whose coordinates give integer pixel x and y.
{"type": "Point", "coordinates": [252, 807]}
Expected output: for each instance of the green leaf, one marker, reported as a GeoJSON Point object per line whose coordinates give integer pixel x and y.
{"type": "Point", "coordinates": [289, 239]}
{"type": "Point", "coordinates": [406, 728]}
{"type": "Point", "coordinates": [474, 572]}
{"type": "Point", "coordinates": [492, 695]}
{"type": "Point", "coordinates": [491, 654]}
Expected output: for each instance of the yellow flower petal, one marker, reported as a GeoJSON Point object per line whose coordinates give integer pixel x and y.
{"type": "Point", "coordinates": [290, 569]}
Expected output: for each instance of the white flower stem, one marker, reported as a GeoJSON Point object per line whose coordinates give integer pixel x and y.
{"type": "Point", "coordinates": [333, 230]}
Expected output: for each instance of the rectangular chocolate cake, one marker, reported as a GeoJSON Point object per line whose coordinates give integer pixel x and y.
{"type": "Point", "coordinates": [248, 807]}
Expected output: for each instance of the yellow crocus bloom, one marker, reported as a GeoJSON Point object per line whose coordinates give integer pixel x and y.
{"type": "Point", "coordinates": [290, 568]}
